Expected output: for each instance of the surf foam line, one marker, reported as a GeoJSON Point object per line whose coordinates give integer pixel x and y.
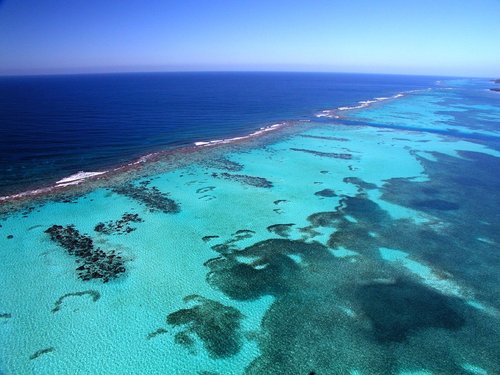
{"type": "Point", "coordinates": [256, 133]}
{"type": "Point", "coordinates": [81, 178]}
{"type": "Point", "coordinates": [334, 113]}
{"type": "Point", "coordinates": [76, 178]}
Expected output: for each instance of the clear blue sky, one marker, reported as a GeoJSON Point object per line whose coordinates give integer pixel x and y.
{"type": "Point", "coordinates": [442, 37]}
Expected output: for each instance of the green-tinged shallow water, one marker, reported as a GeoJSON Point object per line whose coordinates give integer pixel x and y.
{"type": "Point", "coordinates": [328, 249]}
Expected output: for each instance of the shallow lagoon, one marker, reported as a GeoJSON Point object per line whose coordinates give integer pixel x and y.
{"type": "Point", "coordinates": [324, 248]}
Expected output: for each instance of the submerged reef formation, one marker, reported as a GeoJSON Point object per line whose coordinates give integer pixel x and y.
{"type": "Point", "coordinates": [324, 137]}
{"type": "Point", "coordinates": [368, 313]}
{"type": "Point", "coordinates": [224, 164]}
{"type": "Point", "coordinates": [326, 193]}
{"type": "Point", "coordinates": [208, 238]}
{"type": "Point", "coordinates": [245, 180]}
{"type": "Point", "coordinates": [41, 352]}
{"type": "Point", "coordinates": [94, 294]}
{"type": "Point", "coordinates": [279, 201]}
{"type": "Point", "coordinates": [307, 324]}
{"type": "Point", "coordinates": [159, 331]}
{"type": "Point", "coordinates": [151, 197]}
{"type": "Point", "coordinates": [395, 309]}
{"type": "Point", "coordinates": [119, 226]}
{"type": "Point", "coordinates": [216, 325]}
{"type": "Point", "coordinates": [95, 263]}
{"type": "Point", "coordinates": [230, 244]}
{"type": "Point", "coordinates": [205, 189]}
{"type": "Point", "coordinates": [282, 230]}
{"type": "Point", "coordinates": [334, 155]}
{"type": "Point", "coordinates": [466, 179]}
{"type": "Point", "coordinates": [362, 185]}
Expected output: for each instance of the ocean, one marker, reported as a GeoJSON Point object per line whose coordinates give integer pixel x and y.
{"type": "Point", "coordinates": [54, 126]}
{"type": "Point", "coordinates": [281, 224]}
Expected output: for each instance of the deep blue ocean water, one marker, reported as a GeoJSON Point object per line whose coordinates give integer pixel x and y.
{"type": "Point", "coordinates": [54, 126]}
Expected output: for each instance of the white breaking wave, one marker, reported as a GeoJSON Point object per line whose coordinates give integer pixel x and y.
{"type": "Point", "coordinates": [229, 140]}
{"type": "Point", "coordinates": [77, 178]}
{"type": "Point", "coordinates": [332, 113]}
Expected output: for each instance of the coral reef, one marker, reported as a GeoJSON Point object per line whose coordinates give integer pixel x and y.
{"type": "Point", "coordinates": [151, 197]}
{"type": "Point", "coordinates": [94, 294]}
{"type": "Point", "coordinates": [245, 180]}
{"type": "Point", "coordinates": [223, 163]}
{"type": "Point", "coordinates": [282, 230]}
{"type": "Point", "coordinates": [41, 352]}
{"type": "Point", "coordinates": [119, 226]}
{"type": "Point", "coordinates": [334, 155]}
{"type": "Point", "coordinates": [95, 262]}
{"type": "Point", "coordinates": [327, 193]}
{"type": "Point", "coordinates": [217, 326]}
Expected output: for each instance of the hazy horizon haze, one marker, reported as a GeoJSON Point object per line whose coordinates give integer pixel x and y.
{"type": "Point", "coordinates": [444, 38]}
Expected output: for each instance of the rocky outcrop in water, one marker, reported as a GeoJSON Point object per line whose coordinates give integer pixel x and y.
{"type": "Point", "coordinates": [119, 226]}
{"type": "Point", "coordinates": [95, 263]}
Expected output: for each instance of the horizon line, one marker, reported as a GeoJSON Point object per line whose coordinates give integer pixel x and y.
{"type": "Point", "coordinates": [118, 72]}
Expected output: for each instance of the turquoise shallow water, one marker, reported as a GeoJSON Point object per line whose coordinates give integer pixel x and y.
{"type": "Point", "coordinates": [324, 248]}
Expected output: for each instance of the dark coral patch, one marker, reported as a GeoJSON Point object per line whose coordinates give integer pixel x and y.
{"type": "Point", "coordinates": [241, 234]}
{"type": "Point", "coordinates": [269, 274]}
{"type": "Point", "coordinates": [208, 238]}
{"type": "Point", "coordinates": [325, 137]}
{"type": "Point", "coordinates": [324, 219]}
{"type": "Point", "coordinates": [399, 309]}
{"type": "Point", "coordinates": [245, 179]}
{"type": "Point", "coordinates": [282, 230]}
{"type": "Point", "coordinates": [41, 352]}
{"type": "Point", "coordinates": [184, 338]}
{"type": "Point", "coordinates": [309, 231]}
{"type": "Point", "coordinates": [364, 209]}
{"type": "Point", "coordinates": [94, 294]}
{"type": "Point", "coordinates": [70, 238]}
{"type": "Point", "coordinates": [223, 163]}
{"type": "Point", "coordinates": [327, 193]}
{"type": "Point", "coordinates": [278, 201]}
{"type": "Point", "coordinates": [205, 189]}
{"type": "Point", "coordinates": [359, 183]}
{"type": "Point", "coordinates": [120, 226]}
{"type": "Point", "coordinates": [229, 245]}
{"type": "Point", "coordinates": [151, 197]}
{"type": "Point", "coordinates": [217, 326]}
{"type": "Point", "coordinates": [159, 331]}
{"type": "Point", "coordinates": [335, 155]}
{"type": "Point", "coordinates": [95, 262]}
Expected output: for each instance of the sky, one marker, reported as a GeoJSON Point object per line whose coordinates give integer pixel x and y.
{"type": "Point", "coordinates": [438, 37]}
